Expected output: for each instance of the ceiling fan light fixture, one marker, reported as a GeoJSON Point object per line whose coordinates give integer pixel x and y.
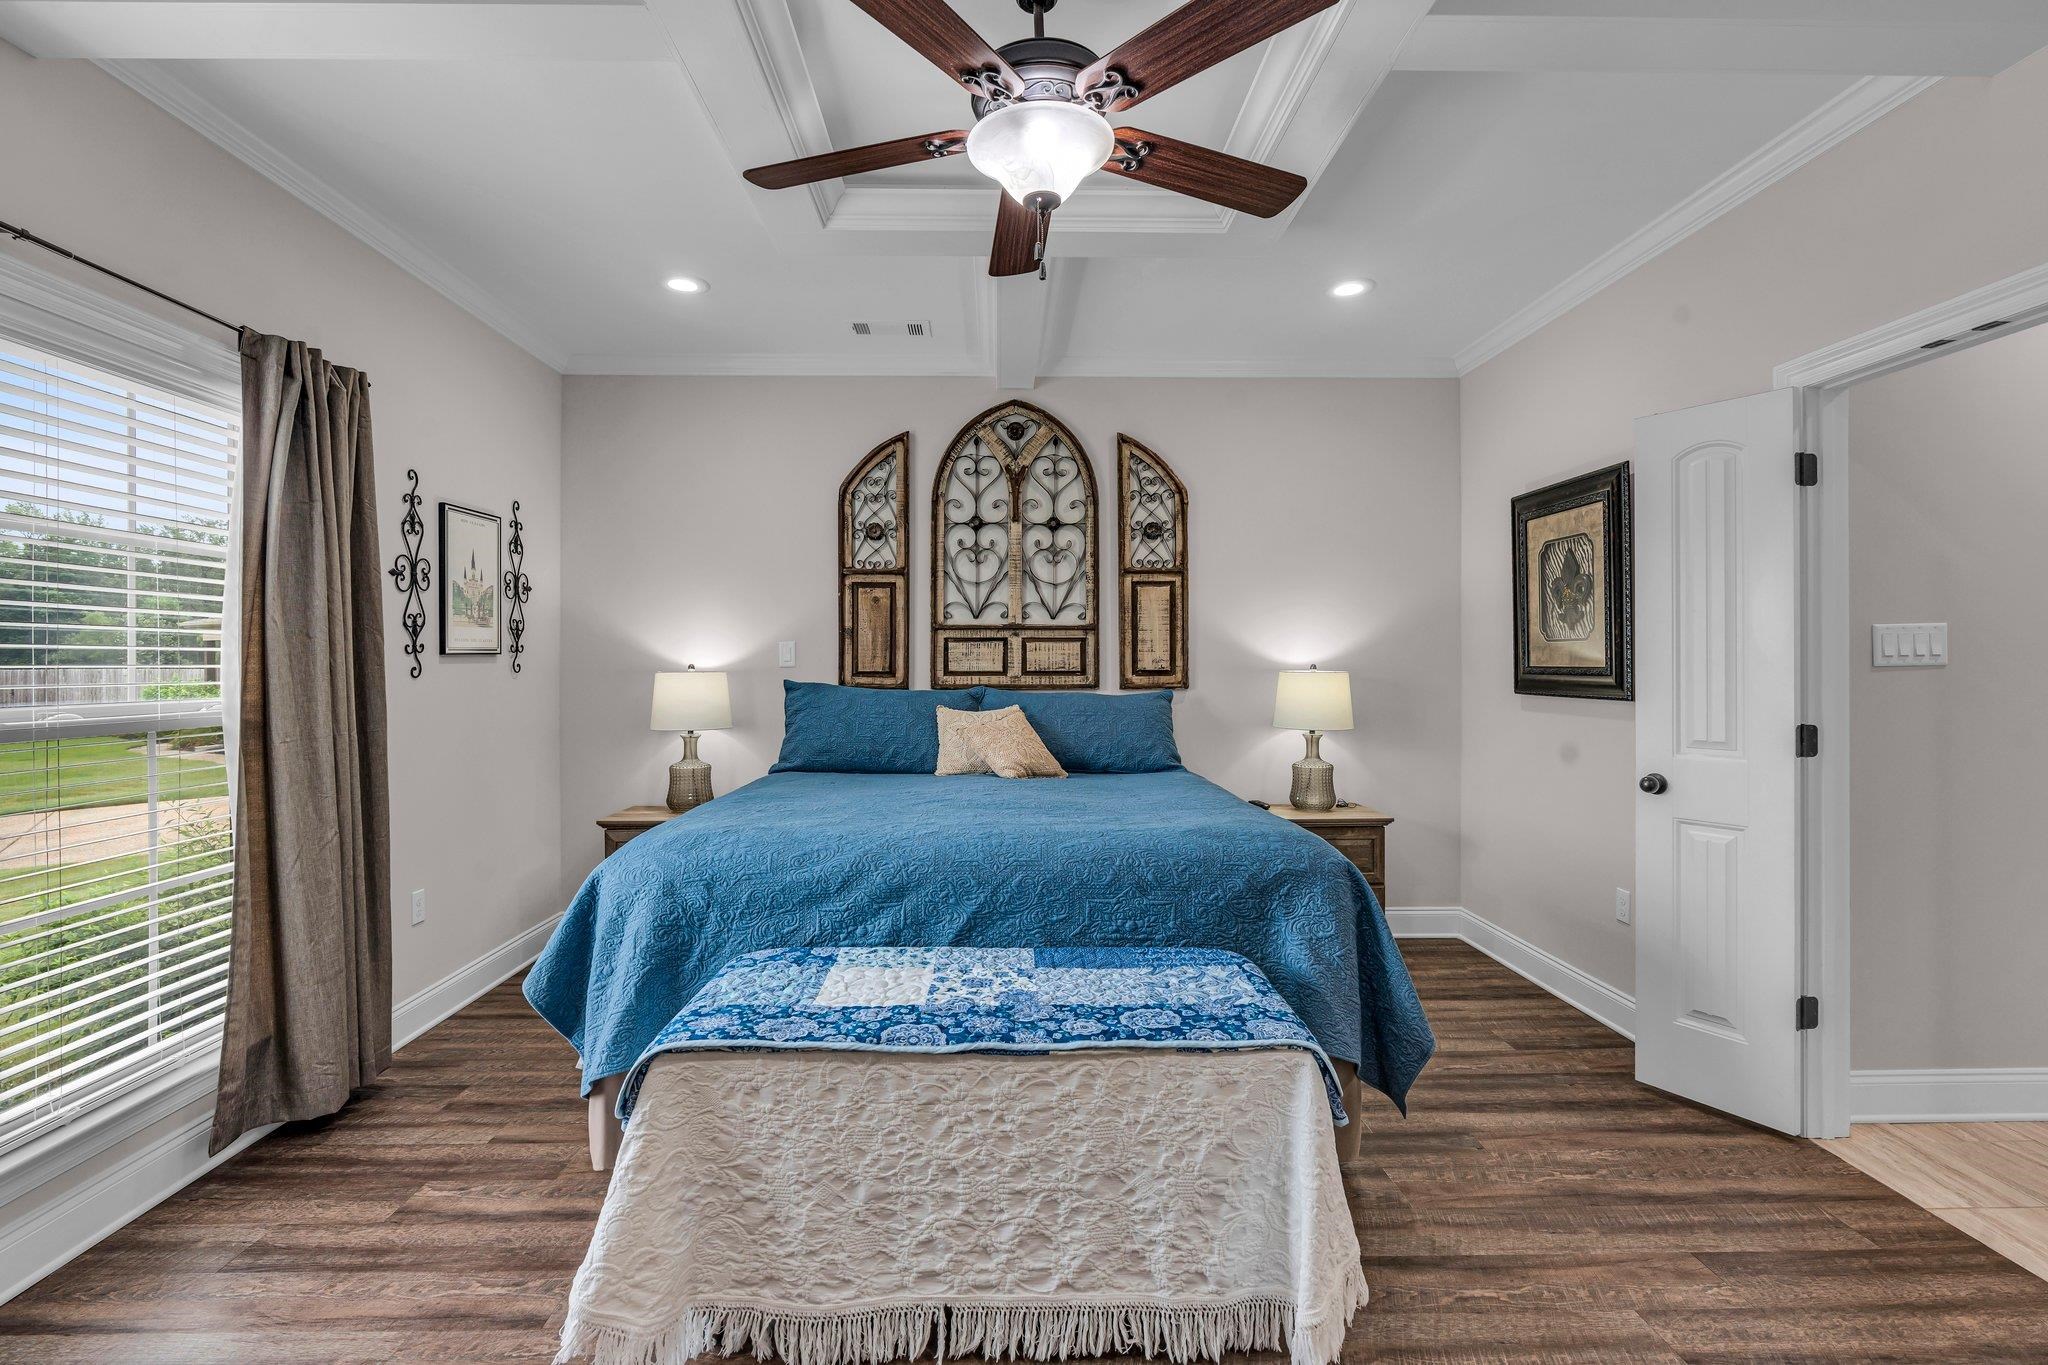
{"type": "Point", "coordinates": [1040, 148]}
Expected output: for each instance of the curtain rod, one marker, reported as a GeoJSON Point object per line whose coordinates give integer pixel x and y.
{"type": "Point", "coordinates": [24, 235]}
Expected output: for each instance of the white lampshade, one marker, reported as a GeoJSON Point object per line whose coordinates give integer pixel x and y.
{"type": "Point", "coordinates": [1313, 699]}
{"type": "Point", "coordinates": [1040, 146]}
{"type": "Point", "coordinates": [691, 701]}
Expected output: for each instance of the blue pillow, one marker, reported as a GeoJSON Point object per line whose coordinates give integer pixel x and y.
{"type": "Point", "coordinates": [831, 729]}
{"type": "Point", "coordinates": [1098, 732]}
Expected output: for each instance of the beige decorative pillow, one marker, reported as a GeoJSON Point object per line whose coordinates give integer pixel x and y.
{"type": "Point", "coordinates": [1010, 747]}
{"type": "Point", "coordinates": [1001, 742]}
{"type": "Point", "coordinates": [958, 753]}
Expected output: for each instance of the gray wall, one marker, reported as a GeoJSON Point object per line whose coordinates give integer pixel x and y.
{"type": "Point", "coordinates": [1940, 197]}
{"type": "Point", "coordinates": [474, 750]}
{"type": "Point", "coordinates": [1323, 529]}
{"type": "Point", "coordinates": [1948, 488]}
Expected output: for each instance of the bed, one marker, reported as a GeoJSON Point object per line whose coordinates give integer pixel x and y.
{"type": "Point", "coordinates": [1162, 859]}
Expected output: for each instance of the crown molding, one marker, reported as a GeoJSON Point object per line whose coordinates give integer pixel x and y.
{"type": "Point", "coordinates": [2015, 301]}
{"type": "Point", "coordinates": [820, 366]}
{"type": "Point", "coordinates": [793, 365]}
{"type": "Point", "coordinates": [1123, 366]}
{"type": "Point", "coordinates": [1855, 109]}
{"type": "Point", "coordinates": [157, 85]}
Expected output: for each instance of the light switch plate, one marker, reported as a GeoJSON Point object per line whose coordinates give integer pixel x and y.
{"type": "Point", "coordinates": [1922, 644]}
{"type": "Point", "coordinates": [785, 653]}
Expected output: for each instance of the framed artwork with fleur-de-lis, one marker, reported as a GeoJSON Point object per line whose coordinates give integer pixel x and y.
{"type": "Point", "coordinates": [1573, 573]}
{"type": "Point", "coordinates": [874, 568]}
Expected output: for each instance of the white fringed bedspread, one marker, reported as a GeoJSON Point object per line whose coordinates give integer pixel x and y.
{"type": "Point", "coordinates": [844, 1208]}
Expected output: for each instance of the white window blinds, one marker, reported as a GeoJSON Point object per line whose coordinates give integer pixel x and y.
{"type": "Point", "coordinates": [116, 842]}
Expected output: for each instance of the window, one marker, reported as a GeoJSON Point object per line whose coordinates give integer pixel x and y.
{"type": "Point", "coordinates": [116, 839]}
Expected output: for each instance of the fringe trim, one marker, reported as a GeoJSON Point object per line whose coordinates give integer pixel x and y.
{"type": "Point", "coordinates": [876, 1336]}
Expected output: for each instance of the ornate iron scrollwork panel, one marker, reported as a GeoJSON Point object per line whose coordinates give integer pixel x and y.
{"type": "Point", "coordinates": [517, 587]}
{"type": "Point", "coordinates": [1013, 555]}
{"type": "Point", "coordinates": [874, 568]}
{"type": "Point", "coordinates": [1152, 569]}
{"type": "Point", "coordinates": [413, 574]}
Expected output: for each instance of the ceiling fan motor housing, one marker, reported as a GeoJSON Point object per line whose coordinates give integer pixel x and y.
{"type": "Point", "coordinates": [1047, 66]}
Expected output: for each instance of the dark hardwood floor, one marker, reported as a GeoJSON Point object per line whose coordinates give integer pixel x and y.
{"type": "Point", "coordinates": [1539, 1205]}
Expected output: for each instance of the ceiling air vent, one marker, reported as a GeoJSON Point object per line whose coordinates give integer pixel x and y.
{"type": "Point", "coordinates": [892, 329]}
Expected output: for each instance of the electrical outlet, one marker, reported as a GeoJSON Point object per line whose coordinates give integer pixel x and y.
{"type": "Point", "coordinates": [419, 907]}
{"type": "Point", "coordinates": [785, 653]}
{"type": "Point", "coordinates": [1622, 911]}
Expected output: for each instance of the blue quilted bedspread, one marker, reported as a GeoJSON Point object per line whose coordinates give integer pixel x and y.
{"type": "Point", "coordinates": [985, 1000]}
{"type": "Point", "coordinates": [883, 860]}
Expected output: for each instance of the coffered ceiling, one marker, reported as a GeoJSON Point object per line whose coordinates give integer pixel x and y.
{"type": "Point", "coordinates": [549, 163]}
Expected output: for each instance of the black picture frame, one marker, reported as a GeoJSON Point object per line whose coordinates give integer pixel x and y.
{"type": "Point", "coordinates": [1597, 580]}
{"type": "Point", "coordinates": [455, 575]}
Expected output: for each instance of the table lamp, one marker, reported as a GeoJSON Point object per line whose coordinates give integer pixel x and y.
{"type": "Point", "coordinates": [690, 701]}
{"type": "Point", "coordinates": [1311, 700]}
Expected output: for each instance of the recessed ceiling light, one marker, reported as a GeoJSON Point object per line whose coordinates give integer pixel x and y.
{"type": "Point", "coordinates": [688, 284]}
{"type": "Point", "coordinates": [1350, 289]}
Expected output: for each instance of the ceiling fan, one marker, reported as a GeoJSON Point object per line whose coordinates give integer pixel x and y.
{"type": "Point", "coordinates": [1041, 108]}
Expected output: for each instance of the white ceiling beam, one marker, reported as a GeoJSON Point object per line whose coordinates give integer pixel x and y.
{"type": "Point", "coordinates": [1635, 43]}
{"type": "Point", "coordinates": [417, 30]}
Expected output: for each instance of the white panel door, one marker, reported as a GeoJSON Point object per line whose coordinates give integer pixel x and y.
{"type": "Point", "coordinates": [1717, 708]}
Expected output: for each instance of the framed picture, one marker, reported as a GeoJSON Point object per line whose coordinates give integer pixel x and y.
{"type": "Point", "coordinates": [471, 622]}
{"type": "Point", "coordinates": [1574, 614]}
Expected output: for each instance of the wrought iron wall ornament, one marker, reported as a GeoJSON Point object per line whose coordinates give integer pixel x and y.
{"type": "Point", "coordinates": [1152, 568]}
{"type": "Point", "coordinates": [873, 532]}
{"type": "Point", "coordinates": [1013, 555]}
{"type": "Point", "coordinates": [517, 588]}
{"type": "Point", "coordinates": [412, 573]}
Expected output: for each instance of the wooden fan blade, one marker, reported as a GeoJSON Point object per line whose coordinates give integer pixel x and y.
{"type": "Point", "coordinates": [1206, 174]}
{"type": "Point", "coordinates": [1192, 39]}
{"type": "Point", "coordinates": [1015, 251]}
{"type": "Point", "coordinates": [875, 156]}
{"type": "Point", "coordinates": [943, 37]}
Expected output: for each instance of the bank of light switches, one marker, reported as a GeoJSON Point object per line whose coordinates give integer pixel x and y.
{"type": "Point", "coordinates": [1921, 645]}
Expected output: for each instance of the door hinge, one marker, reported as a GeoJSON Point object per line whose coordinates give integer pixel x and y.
{"type": "Point", "coordinates": [1807, 741]}
{"type": "Point", "coordinates": [1809, 1012]}
{"type": "Point", "coordinates": [1806, 468]}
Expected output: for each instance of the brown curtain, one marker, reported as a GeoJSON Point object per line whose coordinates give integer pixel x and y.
{"type": "Point", "coordinates": [309, 983]}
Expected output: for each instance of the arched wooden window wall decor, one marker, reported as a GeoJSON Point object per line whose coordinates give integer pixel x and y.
{"type": "Point", "coordinates": [1013, 555]}
{"type": "Point", "coordinates": [874, 568]}
{"type": "Point", "coordinates": [1152, 568]}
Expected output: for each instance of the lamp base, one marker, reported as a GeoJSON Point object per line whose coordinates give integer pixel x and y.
{"type": "Point", "coordinates": [689, 778]}
{"type": "Point", "coordinates": [1315, 781]}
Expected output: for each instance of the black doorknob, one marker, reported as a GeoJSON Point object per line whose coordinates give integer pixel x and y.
{"type": "Point", "coordinates": [1655, 784]}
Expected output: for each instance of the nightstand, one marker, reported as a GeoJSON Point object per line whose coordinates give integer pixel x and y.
{"type": "Point", "coordinates": [621, 827]}
{"type": "Point", "coordinates": [1359, 833]}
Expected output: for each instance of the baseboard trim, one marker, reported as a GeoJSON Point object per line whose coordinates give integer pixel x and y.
{"type": "Point", "coordinates": [45, 1240]}
{"type": "Point", "coordinates": [36, 1241]}
{"type": "Point", "coordinates": [1587, 994]}
{"type": "Point", "coordinates": [419, 1012]}
{"type": "Point", "coordinates": [1951, 1095]}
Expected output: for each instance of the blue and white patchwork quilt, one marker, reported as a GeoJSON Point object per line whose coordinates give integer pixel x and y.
{"type": "Point", "coordinates": [985, 1000]}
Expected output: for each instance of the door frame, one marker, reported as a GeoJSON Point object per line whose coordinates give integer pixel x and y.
{"type": "Point", "coordinates": [1825, 378]}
